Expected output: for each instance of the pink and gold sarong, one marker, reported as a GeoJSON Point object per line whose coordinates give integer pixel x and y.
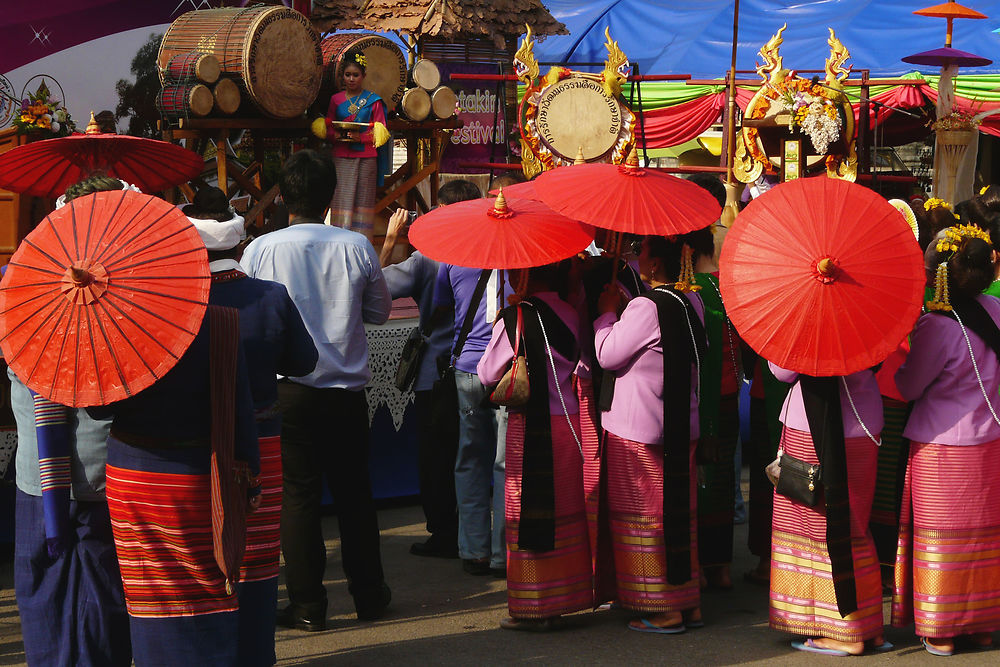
{"type": "Point", "coordinates": [803, 601]}
{"type": "Point", "coordinates": [635, 502]}
{"type": "Point", "coordinates": [550, 583]}
{"type": "Point", "coordinates": [948, 556]}
{"type": "Point", "coordinates": [602, 558]}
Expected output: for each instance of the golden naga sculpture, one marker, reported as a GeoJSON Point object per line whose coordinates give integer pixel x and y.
{"type": "Point", "coordinates": [567, 113]}
{"type": "Point", "coordinates": [819, 113]}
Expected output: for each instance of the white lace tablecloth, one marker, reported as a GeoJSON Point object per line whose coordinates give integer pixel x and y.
{"type": "Point", "coordinates": [385, 345]}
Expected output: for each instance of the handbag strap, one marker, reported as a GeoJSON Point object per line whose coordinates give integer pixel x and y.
{"type": "Point", "coordinates": [470, 314]}
{"type": "Point", "coordinates": [555, 376]}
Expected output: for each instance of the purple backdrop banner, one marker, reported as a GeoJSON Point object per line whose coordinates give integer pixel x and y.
{"type": "Point", "coordinates": [482, 127]}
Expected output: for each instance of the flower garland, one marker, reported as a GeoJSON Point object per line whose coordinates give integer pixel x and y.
{"type": "Point", "coordinates": [40, 112]}
{"type": "Point", "coordinates": [955, 120]}
{"type": "Point", "coordinates": [812, 113]}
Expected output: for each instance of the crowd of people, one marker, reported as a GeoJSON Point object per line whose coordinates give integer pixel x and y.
{"type": "Point", "coordinates": [612, 483]}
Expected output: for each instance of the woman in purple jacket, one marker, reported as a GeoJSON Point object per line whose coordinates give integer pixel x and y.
{"type": "Point", "coordinates": [947, 570]}
{"type": "Point", "coordinates": [650, 435]}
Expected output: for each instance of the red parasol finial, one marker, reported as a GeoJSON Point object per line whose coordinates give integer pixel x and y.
{"type": "Point", "coordinates": [579, 157]}
{"type": "Point", "coordinates": [631, 166]}
{"type": "Point", "coordinates": [827, 270]}
{"type": "Point", "coordinates": [92, 126]}
{"type": "Point", "coordinates": [500, 210]}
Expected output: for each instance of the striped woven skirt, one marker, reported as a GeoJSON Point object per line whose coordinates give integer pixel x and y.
{"type": "Point", "coordinates": [353, 205]}
{"type": "Point", "coordinates": [717, 492]}
{"type": "Point", "coordinates": [803, 601]}
{"type": "Point", "coordinates": [888, 485]}
{"type": "Point", "coordinates": [635, 503]}
{"type": "Point", "coordinates": [259, 573]}
{"type": "Point", "coordinates": [160, 506]}
{"type": "Point", "coordinates": [948, 558]}
{"type": "Point", "coordinates": [594, 466]}
{"type": "Point", "coordinates": [549, 583]}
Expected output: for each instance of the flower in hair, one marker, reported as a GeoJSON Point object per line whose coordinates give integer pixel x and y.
{"type": "Point", "coordinates": [955, 235]}
{"type": "Point", "coordinates": [934, 203]}
{"type": "Point", "coordinates": [360, 59]}
{"type": "Point", "coordinates": [983, 190]}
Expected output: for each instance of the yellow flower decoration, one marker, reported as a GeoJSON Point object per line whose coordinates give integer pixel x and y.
{"type": "Point", "coordinates": [360, 59]}
{"type": "Point", "coordinates": [983, 190]}
{"type": "Point", "coordinates": [934, 203]}
{"type": "Point", "coordinates": [954, 235]}
{"type": "Point", "coordinates": [940, 300]}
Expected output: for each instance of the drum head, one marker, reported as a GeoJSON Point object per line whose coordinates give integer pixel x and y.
{"type": "Point", "coordinates": [416, 104]}
{"type": "Point", "coordinates": [283, 66]}
{"type": "Point", "coordinates": [575, 113]}
{"type": "Point", "coordinates": [426, 74]}
{"type": "Point", "coordinates": [443, 101]}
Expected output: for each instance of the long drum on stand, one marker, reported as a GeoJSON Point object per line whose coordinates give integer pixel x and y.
{"type": "Point", "coordinates": [443, 101]}
{"type": "Point", "coordinates": [185, 100]}
{"type": "Point", "coordinates": [272, 51]}
{"type": "Point", "coordinates": [425, 74]}
{"type": "Point", "coordinates": [416, 104]}
{"type": "Point", "coordinates": [385, 71]}
{"type": "Point", "coordinates": [227, 96]}
{"type": "Point", "coordinates": [190, 68]}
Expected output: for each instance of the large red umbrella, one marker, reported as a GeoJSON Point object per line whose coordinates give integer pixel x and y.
{"type": "Point", "coordinates": [497, 234]}
{"type": "Point", "coordinates": [46, 168]}
{"type": "Point", "coordinates": [103, 297]}
{"type": "Point", "coordinates": [822, 276]}
{"type": "Point", "coordinates": [627, 198]}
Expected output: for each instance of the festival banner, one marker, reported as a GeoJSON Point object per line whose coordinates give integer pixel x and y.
{"type": "Point", "coordinates": [483, 133]}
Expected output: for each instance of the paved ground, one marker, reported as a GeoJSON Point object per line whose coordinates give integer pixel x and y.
{"type": "Point", "coordinates": [440, 615]}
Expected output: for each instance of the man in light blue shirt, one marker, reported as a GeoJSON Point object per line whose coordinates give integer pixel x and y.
{"type": "Point", "coordinates": [335, 280]}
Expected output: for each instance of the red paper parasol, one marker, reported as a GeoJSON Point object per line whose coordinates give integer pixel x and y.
{"type": "Point", "coordinates": [524, 190]}
{"type": "Point", "coordinates": [103, 298]}
{"type": "Point", "coordinates": [46, 168]}
{"type": "Point", "coordinates": [496, 234]}
{"type": "Point", "coordinates": [822, 276]}
{"type": "Point", "coordinates": [627, 198]}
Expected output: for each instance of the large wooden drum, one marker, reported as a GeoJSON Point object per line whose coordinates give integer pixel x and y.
{"type": "Point", "coordinates": [191, 67]}
{"type": "Point", "coordinates": [575, 113]}
{"type": "Point", "coordinates": [385, 73]}
{"type": "Point", "coordinates": [273, 52]}
{"type": "Point", "coordinates": [416, 104]}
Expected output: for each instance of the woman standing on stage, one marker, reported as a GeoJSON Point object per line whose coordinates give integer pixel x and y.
{"type": "Point", "coordinates": [650, 435]}
{"type": "Point", "coordinates": [548, 561]}
{"type": "Point", "coordinates": [947, 574]}
{"type": "Point", "coordinates": [363, 159]}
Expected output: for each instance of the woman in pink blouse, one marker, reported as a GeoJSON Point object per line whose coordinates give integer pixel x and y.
{"type": "Point", "coordinates": [655, 551]}
{"type": "Point", "coordinates": [947, 569]}
{"type": "Point", "coordinates": [548, 551]}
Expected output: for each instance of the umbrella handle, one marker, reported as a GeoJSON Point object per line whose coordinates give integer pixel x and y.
{"type": "Point", "coordinates": [618, 254]}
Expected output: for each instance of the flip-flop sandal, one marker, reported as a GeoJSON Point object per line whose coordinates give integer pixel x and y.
{"type": "Point", "coordinates": [656, 629]}
{"type": "Point", "coordinates": [694, 623]}
{"type": "Point", "coordinates": [933, 650]}
{"type": "Point", "coordinates": [810, 647]}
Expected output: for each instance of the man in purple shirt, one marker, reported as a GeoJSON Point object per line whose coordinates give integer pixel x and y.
{"type": "Point", "coordinates": [480, 540]}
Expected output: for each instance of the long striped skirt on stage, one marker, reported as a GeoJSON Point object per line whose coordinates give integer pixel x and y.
{"type": "Point", "coordinates": [948, 558]}
{"type": "Point", "coordinates": [717, 495]}
{"type": "Point", "coordinates": [353, 205]}
{"type": "Point", "coordinates": [160, 506]}
{"type": "Point", "coordinates": [803, 601]}
{"type": "Point", "coordinates": [548, 583]}
{"type": "Point", "coordinates": [635, 502]}
{"type": "Point", "coordinates": [259, 572]}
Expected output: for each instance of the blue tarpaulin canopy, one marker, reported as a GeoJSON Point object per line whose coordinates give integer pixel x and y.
{"type": "Point", "coordinates": [695, 36]}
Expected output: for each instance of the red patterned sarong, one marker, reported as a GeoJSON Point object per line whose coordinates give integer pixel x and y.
{"type": "Point", "coordinates": [635, 499]}
{"type": "Point", "coordinates": [803, 601]}
{"type": "Point", "coordinates": [948, 556]}
{"type": "Point", "coordinates": [549, 583]}
{"type": "Point", "coordinates": [260, 561]}
{"type": "Point", "coordinates": [162, 524]}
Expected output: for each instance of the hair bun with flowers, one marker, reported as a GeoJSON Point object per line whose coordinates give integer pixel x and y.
{"type": "Point", "coordinates": [950, 242]}
{"type": "Point", "coordinates": [360, 59]}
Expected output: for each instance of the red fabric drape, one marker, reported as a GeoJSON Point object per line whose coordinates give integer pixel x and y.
{"type": "Point", "coordinates": [674, 125]}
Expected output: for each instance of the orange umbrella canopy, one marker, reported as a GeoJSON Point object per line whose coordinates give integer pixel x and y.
{"type": "Point", "coordinates": [498, 234]}
{"type": "Point", "coordinates": [950, 10]}
{"type": "Point", "coordinates": [822, 276]}
{"type": "Point", "coordinates": [103, 297]}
